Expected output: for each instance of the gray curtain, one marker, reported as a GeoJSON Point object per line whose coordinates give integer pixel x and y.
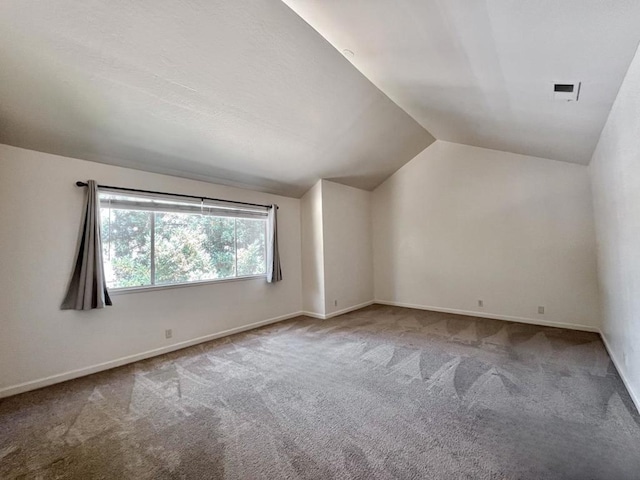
{"type": "Point", "coordinates": [87, 288]}
{"type": "Point", "coordinates": [274, 271]}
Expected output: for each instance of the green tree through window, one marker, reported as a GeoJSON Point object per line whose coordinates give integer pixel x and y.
{"type": "Point", "coordinates": [159, 248]}
{"type": "Point", "coordinates": [126, 242]}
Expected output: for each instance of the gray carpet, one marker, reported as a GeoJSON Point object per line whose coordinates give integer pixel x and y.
{"type": "Point", "coordinates": [380, 393]}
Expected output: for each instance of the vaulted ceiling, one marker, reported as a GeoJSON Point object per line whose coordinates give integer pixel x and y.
{"type": "Point", "coordinates": [237, 92]}
{"type": "Point", "coordinates": [248, 93]}
{"type": "Point", "coordinates": [481, 72]}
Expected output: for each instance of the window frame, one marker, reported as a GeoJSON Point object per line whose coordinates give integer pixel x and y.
{"type": "Point", "coordinates": [254, 214]}
{"type": "Point", "coordinates": [195, 283]}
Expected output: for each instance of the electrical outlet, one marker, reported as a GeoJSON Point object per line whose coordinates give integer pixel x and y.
{"type": "Point", "coordinates": [541, 310]}
{"type": "Point", "coordinates": [335, 303]}
{"type": "Point", "coordinates": [481, 303]}
{"type": "Point", "coordinates": [168, 333]}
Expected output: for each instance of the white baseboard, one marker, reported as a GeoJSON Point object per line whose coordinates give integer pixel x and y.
{"type": "Point", "coordinates": [323, 316]}
{"type": "Point", "coordinates": [62, 377]}
{"type": "Point", "coordinates": [81, 372]}
{"type": "Point", "coordinates": [472, 313]}
{"type": "Point", "coordinates": [348, 309]}
{"type": "Point", "coordinates": [635, 397]}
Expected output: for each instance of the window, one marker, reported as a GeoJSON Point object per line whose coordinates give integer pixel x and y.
{"type": "Point", "coordinates": [153, 241]}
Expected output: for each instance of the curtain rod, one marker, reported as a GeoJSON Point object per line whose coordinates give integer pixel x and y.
{"type": "Point", "coordinates": [123, 189]}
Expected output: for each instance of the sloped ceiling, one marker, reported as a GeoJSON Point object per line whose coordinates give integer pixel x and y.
{"type": "Point", "coordinates": [237, 92]}
{"type": "Point", "coordinates": [481, 72]}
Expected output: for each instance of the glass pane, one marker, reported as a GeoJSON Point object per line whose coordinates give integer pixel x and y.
{"type": "Point", "coordinates": [251, 246]}
{"type": "Point", "coordinates": [192, 247]}
{"type": "Point", "coordinates": [126, 245]}
{"type": "Point", "coordinates": [220, 245]}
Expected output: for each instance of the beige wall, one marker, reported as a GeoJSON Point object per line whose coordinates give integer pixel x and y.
{"type": "Point", "coordinates": [615, 176]}
{"type": "Point", "coordinates": [459, 223]}
{"type": "Point", "coordinates": [348, 266]}
{"type": "Point", "coordinates": [313, 293]}
{"type": "Point", "coordinates": [336, 249]}
{"type": "Point", "coordinates": [40, 210]}
{"type": "Point", "coordinates": [455, 225]}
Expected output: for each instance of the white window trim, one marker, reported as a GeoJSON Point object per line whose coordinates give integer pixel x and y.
{"type": "Point", "coordinates": [146, 288]}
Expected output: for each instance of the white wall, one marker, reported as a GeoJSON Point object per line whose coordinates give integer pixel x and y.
{"type": "Point", "coordinates": [336, 249]}
{"type": "Point", "coordinates": [348, 267]}
{"type": "Point", "coordinates": [459, 223]}
{"type": "Point", "coordinates": [40, 209]}
{"type": "Point", "coordinates": [615, 176]}
{"type": "Point", "coordinates": [313, 293]}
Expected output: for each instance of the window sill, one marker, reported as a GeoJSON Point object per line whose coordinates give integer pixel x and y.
{"type": "Point", "coordinates": [146, 288]}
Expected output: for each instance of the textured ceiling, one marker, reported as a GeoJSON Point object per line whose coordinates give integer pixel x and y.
{"type": "Point", "coordinates": [238, 92]}
{"type": "Point", "coordinates": [480, 72]}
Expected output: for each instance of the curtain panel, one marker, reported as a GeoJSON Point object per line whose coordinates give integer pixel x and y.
{"type": "Point", "coordinates": [274, 270]}
{"type": "Point", "coordinates": [87, 288]}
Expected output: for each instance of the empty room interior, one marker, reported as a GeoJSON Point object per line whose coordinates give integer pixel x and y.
{"type": "Point", "coordinates": [320, 239]}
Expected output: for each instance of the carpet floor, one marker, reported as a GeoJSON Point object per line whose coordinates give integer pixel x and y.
{"type": "Point", "coordinates": [380, 393]}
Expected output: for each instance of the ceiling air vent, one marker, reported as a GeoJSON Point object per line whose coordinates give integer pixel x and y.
{"type": "Point", "coordinates": [566, 91]}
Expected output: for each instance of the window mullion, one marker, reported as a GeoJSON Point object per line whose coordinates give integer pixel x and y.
{"type": "Point", "coordinates": [235, 246]}
{"type": "Point", "coordinates": [110, 231]}
{"type": "Point", "coordinates": [153, 248]}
